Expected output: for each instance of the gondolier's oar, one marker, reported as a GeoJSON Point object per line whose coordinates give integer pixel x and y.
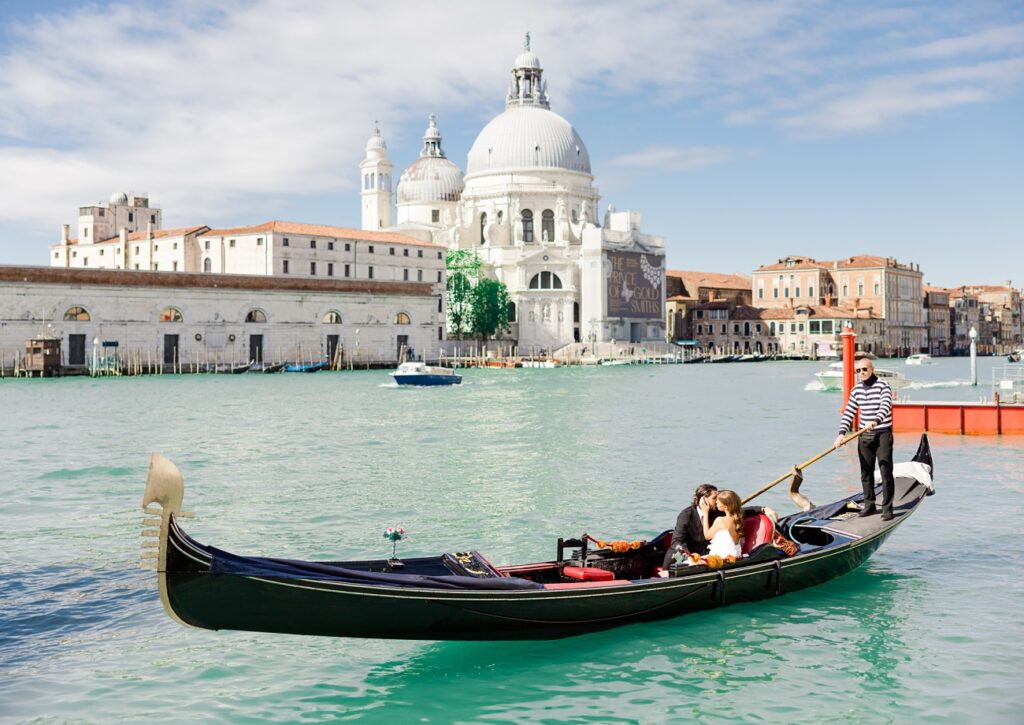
{"type": "Point", "coordinates": [797, 473]}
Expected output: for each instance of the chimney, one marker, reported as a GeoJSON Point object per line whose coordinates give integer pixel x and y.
{"type": "Point", "coordinates": [65, 234]}
{"type": "Point", "coordinates": [149, 231]}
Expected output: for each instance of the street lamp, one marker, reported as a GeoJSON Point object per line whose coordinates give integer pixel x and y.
{"type": "Point", "coordinates": [973, 334]}
{"type": "Point", "coordinates": [95, 355]}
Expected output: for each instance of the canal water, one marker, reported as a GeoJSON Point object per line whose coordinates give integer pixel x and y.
{"type": "Point", "coordinates": [316, 466]}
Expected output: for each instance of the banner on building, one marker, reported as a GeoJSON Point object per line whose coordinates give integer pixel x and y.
{"type": "Point", "coordinates": [634, 285]}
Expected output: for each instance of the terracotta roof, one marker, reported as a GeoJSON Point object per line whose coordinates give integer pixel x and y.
{"type": "Point", "coordinates": [680, 298]}
{"type": "Point", "coordinates": [319, 230]}
{"type": "Point", "coordinates": [188, 280]}
{"type": "Point", "coordinates": [136, 236]}
{"type": "Point", "coordinates": [795, 261]}
{"type": "Point", "coordinates": [692, 280]}
{"type": "Point", "coordinates": [860, 261]}
{"type": "Point", "coordinates": [748, 312]}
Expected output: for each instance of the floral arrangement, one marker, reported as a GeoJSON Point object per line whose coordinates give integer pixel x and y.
{"type": "Point", "coordinates": [712, 561]}
{"type": "Point", "coordinates": [394, 534]}
{"type": "Point", "coordinates": [618, 546]}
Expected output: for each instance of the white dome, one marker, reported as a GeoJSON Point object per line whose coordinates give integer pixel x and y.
{"type": "Point", "coordinates": [119, 197]}
{"type": "Point", "coordinates": [430, 178]}
{"type": "Point", "coordinates": [527, 59]}
{"type": "Point", "coordinates": [528, 137]}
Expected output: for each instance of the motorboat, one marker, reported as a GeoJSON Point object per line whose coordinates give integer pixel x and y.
{"type": "Point", "coordinates": [1016, 356]}
{"type": "Point", "coordinates": [831, 378]}
{"type": "Point", "coordinates": [300, 367]}
{"type": "Point", "coordinates": [921, 358]}
{"type": "Point", "coordinates": [590, 585]}
{"type": "Point", "coordinates": [420, 374]}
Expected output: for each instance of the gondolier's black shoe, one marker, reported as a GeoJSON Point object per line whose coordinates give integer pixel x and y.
{"type": "Point", "coordinates": [887, 515]}
{"type": "Point", "coordinates": [868, 510]}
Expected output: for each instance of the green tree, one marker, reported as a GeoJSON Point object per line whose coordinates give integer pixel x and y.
{"type": "Point", "coordinates": [490, 308]}
{"type": "Point", "coordinates": [463, 268]}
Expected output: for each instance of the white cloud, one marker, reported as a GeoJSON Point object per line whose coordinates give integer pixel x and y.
{"type": "Point", "coordinates": [674, 158]}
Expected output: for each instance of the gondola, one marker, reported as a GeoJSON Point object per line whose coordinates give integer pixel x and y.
{"type": "Point", "coordinates": [267, 367]}
{"type": "Point", "coordinates": [305, 367]}
{"type": "Point", "coordinates": [462, 596]}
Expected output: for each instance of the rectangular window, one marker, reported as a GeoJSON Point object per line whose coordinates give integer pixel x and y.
{"type": "Point", "coordinates": [792, 327]}
{"type": "Point", "coordinates": [438, 275]}
{"type": "Point", "coordinates": [348, 247]}
{"type": "Point", "coordinates": [312, 244]}
{"type": "Point", "coordinates": [826, 327]}
{"type": "Point", "coordinates": [405, 275]}
{"type": "Point", "coordinates": [206, 244]}
{"type": "Point", "coordinates": [419, 275]}
{"type": "Point", "coordinates": [131, 216]}
{"type": "Point", "coordinates": [312, 268]}
{"type": "Point", "coordinates": [175, 266]}
{"type": "Point", "coordinates": [435, 215]}
{"type": "Point", "coordinates": [786, 292]}
{"type": "Point", "coordinates": [152, 218]}
{"type": "Point", "coordinates": [330, 246]}
{"type": "Point", "coordinates": [439, 306]}
{"type": "Point", "coordinates": [796, 292]}
{"type": "Point", "coordinates": [845, 291]}
{"type": "Point", "coordinates": [405, 252]}
{"type": "Point", "coordinates": [810, 292]}
{"type": "Point", "coordinates": [231, 243]}
{"type": "Point", "coordinates": [101, 252]}
{"type": "Point", "coordinates": [369, 272]}
{"type": "Point", "coordinates": [815, 327]}
{"type": "Point", "coordinates": [757, 328]}
{"type": "Point", "coordinates": [391, 251]}
{"type": "Point", "coordinates": [736, 328]}
{"type": "Point", "coordinates": [439, 256]}
{"type": "Point", "coordinates": [877, 289]}
{"type": "Point", "coordinates": [775, 292]}
{"type": "Point", "coordinates": [174, 246]}
{"type": "Point", "coordinates": [760, 293]}
{"type": "Point", "coordinates": [723, 328]}
{"type": "Point", "coordinates": [101, 212]}
{"type": "Point", "coordinates": [419, 253]}
{"type": "Point", "coordinates": [284, 242]}
{"type": "Point", "coordinates": [136, 250]}
{"type": "Point", "coordinates": [800, 327]}
{"type": "Point", "coordinates": [700, 314]}
{"type": "Point", "coordinates": [330, 269]}
{"type": "Point", "coordinates": [860, 289]}
{"type": "Point", "coordinates": [117, 251]}
{"type": "Point", "coordinates": [85, 261]}
{"type": "Point", "coordinates": [440, 333]}
{"type": "Point", "coordinates": [156, 247]}
{"type": "Point", "coordinates": [259, 241]}
{"type": "Point", "coordinates": [348, 271]}
{"type": "Point", "coordinates": [85, 232]}
{"type": "Point", "coordinates": [284, 266]}
{"type": "Point", "coordinates": [370, 249]}
{"type": "Point", "coordinates": [136, 266]}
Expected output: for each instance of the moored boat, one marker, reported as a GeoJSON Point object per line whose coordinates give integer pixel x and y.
{"type": "Point", "coordinates": [305, 367]}
{"type": "Point", "coordinates": [462, 596]}
{"type": "Point", "coordinates": [267, 367]}
{"type": "Point", "coordinates": [921, 358]}
{"type": "Point", "coordinates": [422, 375]}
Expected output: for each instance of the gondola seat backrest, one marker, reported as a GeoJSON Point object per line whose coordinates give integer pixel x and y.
{"type": "Point", "coordinates": [757, 530]}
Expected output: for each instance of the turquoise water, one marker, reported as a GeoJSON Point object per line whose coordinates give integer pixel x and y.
{"type": "Point", "coordinates": [316, 466]}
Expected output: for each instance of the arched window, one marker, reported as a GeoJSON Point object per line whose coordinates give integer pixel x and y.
{"type": "Point", "coordinates": [171, 314]}
{"type": "Point", "coordinates": [76, 314]}
{"type": "Point", "coordinates": [511, 311]}
{"type": "Point", "coordinates": [500, 215]}
{"type": "Point", "coordinates": [483, 225]}
{"type": "Point", "coordinates": [547, 225]}
{"type": "Point", "coordinates": [771, 329]}
{"type": "Point", "coordinates": [746, 329]}
{"type": "Point", "coordinates": [576, 312]}
{"type": "Point", "coordinates": [545, 280]}
{"type": "Point", "coordinates": [527, 217]}
{"type": "Point", "coordinates": [256, 316]}
{"type": "Point", "coordinates": [402, 319]}
{"type": "Point", "coordinates": [575, 216]}
{"type": "Point", "coordinates": [207, 264]}
{"type": "Point", "coordinates": [332, 318]}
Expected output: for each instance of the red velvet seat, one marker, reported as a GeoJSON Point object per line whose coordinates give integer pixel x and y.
{"type": "Point", "coordinates": [757, 530]}
{"type": "Point", "coordinates": [587, 573]}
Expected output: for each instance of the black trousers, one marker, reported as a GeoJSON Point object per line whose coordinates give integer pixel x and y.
{"type": "Point", "coordinates": [879, 448]}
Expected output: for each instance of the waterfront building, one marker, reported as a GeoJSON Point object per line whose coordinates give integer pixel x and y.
{"type": "Point", "coordinates": [889, 290]}
{"type": "Point", "coordinates": [999, 315]}
{"type": "Point", "coordinates": [527, 205]}
{"type": "Point", "coordinates": [937, 315]}
{"type": "Point", "coordinates": [685, 290]}
{"type": "Point", "coordinates": [964, 315]}
{"type": "Point", "coordinates": [171, 318]}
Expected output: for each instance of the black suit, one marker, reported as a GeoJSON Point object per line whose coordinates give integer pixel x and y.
{"type": "Point", "coordinates": [689, 532]}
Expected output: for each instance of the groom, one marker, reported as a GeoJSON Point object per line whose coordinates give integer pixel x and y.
{"type": "Point", "coordinates": [688, 535]}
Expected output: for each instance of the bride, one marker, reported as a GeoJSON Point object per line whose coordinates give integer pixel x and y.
{"type": "Point", "coordinates": [725, 533]}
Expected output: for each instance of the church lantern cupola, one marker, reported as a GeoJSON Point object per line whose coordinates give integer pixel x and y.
{"type": "Point", "coordinates": [527, 86]}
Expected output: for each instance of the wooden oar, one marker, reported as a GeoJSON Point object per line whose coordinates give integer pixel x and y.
{"type": "Point", "coordinates": [797, 473]}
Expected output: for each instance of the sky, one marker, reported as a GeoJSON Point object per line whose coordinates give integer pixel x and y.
{"type": "Point", "coordinates": [742, 131]}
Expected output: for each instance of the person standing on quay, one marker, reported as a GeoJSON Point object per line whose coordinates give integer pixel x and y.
{"type": "Point", "coordinates": [873, 398]}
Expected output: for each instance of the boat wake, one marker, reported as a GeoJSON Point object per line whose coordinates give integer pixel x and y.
{"type": "Point", "coordinates": [814, 385]}
{"type": "Point", "coordinates": [929, 385]}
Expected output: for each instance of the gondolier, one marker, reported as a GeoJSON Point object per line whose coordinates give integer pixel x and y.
{"type": "Point", "coordinates": [872, 396]}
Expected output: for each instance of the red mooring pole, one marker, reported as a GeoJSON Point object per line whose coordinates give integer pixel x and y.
{"type": "Point", "coordinates": [849, 338]}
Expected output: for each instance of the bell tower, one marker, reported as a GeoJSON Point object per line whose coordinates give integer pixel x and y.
{"type": "Point", "coordinates": [376, 183]}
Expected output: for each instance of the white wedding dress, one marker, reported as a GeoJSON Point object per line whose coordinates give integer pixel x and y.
{"type": "Point", "coordinates": [721, 545]}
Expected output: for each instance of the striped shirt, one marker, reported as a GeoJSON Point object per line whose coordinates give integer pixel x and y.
{"type": "Point", "coordinates": [874, 401]}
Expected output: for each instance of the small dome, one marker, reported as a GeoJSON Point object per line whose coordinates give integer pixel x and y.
{"type": "Point", "coordinates": [376, 146]}
{"type": "Point", "coordinates": [527, 59]}
{"type": "Point", "coordinates": [430, 178]}
{"type": "Point", "coordinates": [119, 197]}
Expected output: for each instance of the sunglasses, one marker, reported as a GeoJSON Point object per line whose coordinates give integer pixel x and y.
{"type": "Point", "coordinates": [861, 370]}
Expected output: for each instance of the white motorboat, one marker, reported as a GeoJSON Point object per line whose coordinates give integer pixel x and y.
{"type": "Point", "coordinates": [921, 358]}
{"type": "Point", "coordinates": [831, 378]}
{"type": "Point", "coordinates": [418, 373]}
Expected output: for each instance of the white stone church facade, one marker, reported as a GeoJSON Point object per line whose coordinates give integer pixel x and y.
{"type": "Point", "coordinates": [528, 206]}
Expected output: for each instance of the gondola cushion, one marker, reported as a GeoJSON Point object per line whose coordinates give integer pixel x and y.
{"type": "Point", "coordinates": [757, 530]}
{"type": "Point", "coordinates": [587, 573]}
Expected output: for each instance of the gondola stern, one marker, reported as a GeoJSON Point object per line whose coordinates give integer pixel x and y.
{"type": "Point", "coordinates": [924, 456]}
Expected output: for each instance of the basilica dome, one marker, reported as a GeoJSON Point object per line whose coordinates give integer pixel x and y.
{"type": "Point", "coordinates": [528, 137]}
{"type": "Point", "coordinates": [432, 177]}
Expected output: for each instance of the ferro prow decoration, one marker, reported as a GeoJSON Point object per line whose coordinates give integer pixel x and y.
{"type": "Point", "coordinates": [164, 486]}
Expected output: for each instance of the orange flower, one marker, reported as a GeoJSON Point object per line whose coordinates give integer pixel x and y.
{"type": "Point", "coordinates": [635, 544]}
{"type": "Point", "coordinates": [714, 561]}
